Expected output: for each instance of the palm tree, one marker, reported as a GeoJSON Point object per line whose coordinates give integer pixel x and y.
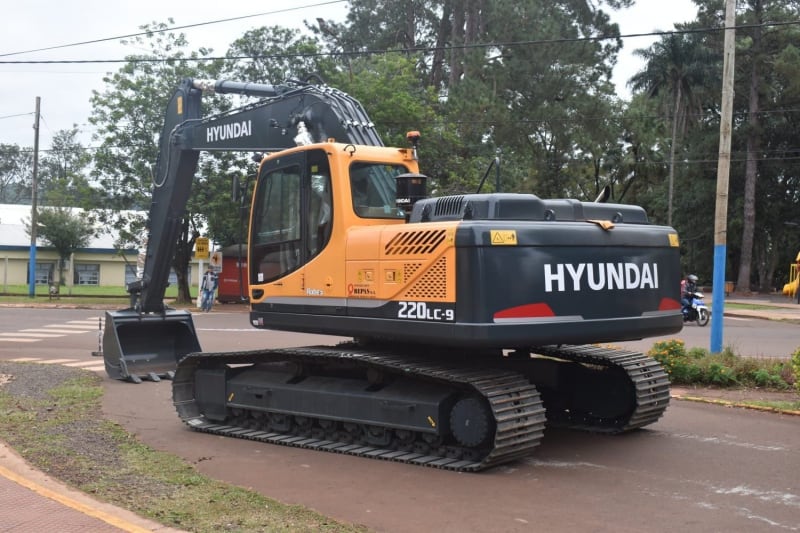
{"type": "Point", "coordinates": [676, 68]}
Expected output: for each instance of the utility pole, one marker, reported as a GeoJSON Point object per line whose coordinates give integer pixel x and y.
{"type": "Point", "coordinates": [34, 222]}
{"type": "Point", "coordinates": [723, 173]}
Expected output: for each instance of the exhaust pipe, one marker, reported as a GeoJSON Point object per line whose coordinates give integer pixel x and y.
{"type": "Point", "coordinates": [147, 346]}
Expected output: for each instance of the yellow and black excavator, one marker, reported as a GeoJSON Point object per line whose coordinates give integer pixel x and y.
{"type": "Point", "coordinates": [475, 319]}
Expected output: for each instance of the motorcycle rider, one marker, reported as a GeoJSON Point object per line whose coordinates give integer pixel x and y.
{"type": "Point", "coordinates": [688, 288]}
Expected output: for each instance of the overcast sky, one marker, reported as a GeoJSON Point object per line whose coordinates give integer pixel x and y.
{"type": "Point", "coordinates": [65, 89]}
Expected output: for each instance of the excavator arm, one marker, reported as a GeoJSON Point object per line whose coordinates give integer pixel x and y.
{"type": "Point", "coordinates": [149, 338]}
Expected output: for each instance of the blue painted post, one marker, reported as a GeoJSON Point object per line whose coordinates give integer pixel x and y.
{"type": "Point", "coordinates": [718, 297]}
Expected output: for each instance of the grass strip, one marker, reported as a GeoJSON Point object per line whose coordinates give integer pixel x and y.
{"type": "Point", "coordinates": [59, 429]}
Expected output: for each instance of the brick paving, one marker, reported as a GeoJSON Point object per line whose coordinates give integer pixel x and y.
{"type": "Point", "coordinates": [23, 510]}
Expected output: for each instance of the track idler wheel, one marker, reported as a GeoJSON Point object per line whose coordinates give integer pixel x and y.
{"type": "Point", "coordinates": [471, 422]}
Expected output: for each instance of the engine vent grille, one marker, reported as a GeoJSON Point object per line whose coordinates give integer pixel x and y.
{"type": "Point", "coordinates": [433, 283]}
{"type": "Point", "coordinates": [449, 206]}
{"type": "Point", "coordinates": [415, 242]}
{"type": "Point", "coordinates": [410, 269]}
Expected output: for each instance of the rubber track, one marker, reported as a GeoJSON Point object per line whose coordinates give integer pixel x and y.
{"type": "Point", "coordinates": [516, 404]}
{"type": "Point", "coordinates": [648, 377]}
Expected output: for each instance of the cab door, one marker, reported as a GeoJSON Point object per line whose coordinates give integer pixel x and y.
{"type": "Point", "coordinates": [291, 221]}
{"type": "Point", "coordinates": [323, 272]}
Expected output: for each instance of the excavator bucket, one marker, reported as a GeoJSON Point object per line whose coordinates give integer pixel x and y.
{"type": "Point", "coordinates": [147, 346]}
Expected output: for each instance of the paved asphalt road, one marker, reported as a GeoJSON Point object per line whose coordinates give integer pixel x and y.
{"type": "Point", "coordinates": [699, 468]}
{"type": "Point", "coordinates": [752, 337]}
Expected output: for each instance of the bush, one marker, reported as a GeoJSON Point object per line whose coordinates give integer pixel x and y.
{"type": "Point", "coordinates": [725, 369]}
{"type": "Point", "coordinates": [669, 353]}
{"type": "Point", "coordinates": [764, 378]}
{"type": "Point", "coordinates": [796, 368]}
{"type": "Point", "coordinates": [720, 375]}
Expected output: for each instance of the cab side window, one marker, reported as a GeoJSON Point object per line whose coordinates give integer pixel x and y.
{"type": "Point", "coordinates": [320, 203]}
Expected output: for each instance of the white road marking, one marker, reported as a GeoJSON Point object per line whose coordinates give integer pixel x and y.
{"type": "Point", "coordinates": [770, 496]}
{"type": "Point", "coordinates": [50, 331]}
{"type": "Point", "coordinates": [562, 464]}
{"type": "Point", "coordinates": [80, 364]}
{"type": "Point", "coordinates": [728, 442]}
{"type": "Point", "coordinates": [230, 329]}
{"type": "Point", "coordinates": [37, 335]}
{"type": "Point", "coordinates": [33, 330]}
{"type": "Point", "coordinates": [71, 327]}
{"type": "Point", "coordinates": [94, 366]}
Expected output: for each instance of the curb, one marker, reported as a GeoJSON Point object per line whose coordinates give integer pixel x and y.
{"type": "Point", "coordinates": [763, 315]}
{"type": "Point", "coordinates": [739, 405]}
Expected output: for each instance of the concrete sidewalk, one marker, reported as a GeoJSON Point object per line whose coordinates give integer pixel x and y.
{"type": "Point", "coordinates": [769, 306]}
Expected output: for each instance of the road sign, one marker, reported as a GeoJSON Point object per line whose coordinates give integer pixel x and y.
{"type": "Point", "coordinates": [201, 248]}
{"type": "Point", "coordinates": [216, 261]}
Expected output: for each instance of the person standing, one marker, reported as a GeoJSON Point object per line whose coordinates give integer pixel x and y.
{"type": "Point", "coordinates": [208, 286]}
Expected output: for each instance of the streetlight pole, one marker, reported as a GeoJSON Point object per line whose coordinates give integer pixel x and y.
{"type": "Point", "coordinates": [34, 221]}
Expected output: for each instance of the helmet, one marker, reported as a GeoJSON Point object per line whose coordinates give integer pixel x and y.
{"type": "Point", "coordinates": [692, 278]}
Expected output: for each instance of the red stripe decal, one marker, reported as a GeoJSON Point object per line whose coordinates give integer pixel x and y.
{"type": "Point", "coordinates": [526, 311]}
{"type": "Point", "coordinates": [668, 304]}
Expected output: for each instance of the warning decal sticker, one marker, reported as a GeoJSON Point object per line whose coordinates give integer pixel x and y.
{"type": "Point", "coordinates": [504, 237]}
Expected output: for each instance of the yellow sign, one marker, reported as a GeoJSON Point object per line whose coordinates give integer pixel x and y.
{"type": "Point", "coordinates": [504, 237]}
{"type": "Point", "coordinates": [201, 248]}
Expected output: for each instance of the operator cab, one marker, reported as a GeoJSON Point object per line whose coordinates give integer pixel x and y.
{"type": "Point", "coordinates": [301, 198]}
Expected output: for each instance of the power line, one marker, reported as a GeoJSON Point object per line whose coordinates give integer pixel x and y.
{"type": "Point", "coordinates": [218, 21]}
{"type": "Point", "coordinates": [510, 44]}
{"type": "Point", "coordinates": [17, 115]}
{"type": "Point", "coordinates": [739, 155]}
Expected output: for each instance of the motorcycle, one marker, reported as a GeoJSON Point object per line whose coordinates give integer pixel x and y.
{"type": "Point", "coordinates": [697, 311]}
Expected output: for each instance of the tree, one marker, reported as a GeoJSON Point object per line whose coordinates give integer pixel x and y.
{"type": "Point", "coordinates": [275, 53]}
{"type": "Point", "coordinates": [764, 169]}
{"type": "Point", "coordinates": [129, 115]}
{"type": "Point", "coordinates": [62, 179]}
{"type": "Point", "coordinates": [528, 100]}
{"type": "Point", "coordinates": [676, 67]}
{"type": "Point", "coordinates": [16, 166]}
{"type": "Point", "coordinates": [637, 162]}
{"type": "Point", "coordinates": [65, 231]}
{"type": "Point", "coordinates": [761, 48]}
